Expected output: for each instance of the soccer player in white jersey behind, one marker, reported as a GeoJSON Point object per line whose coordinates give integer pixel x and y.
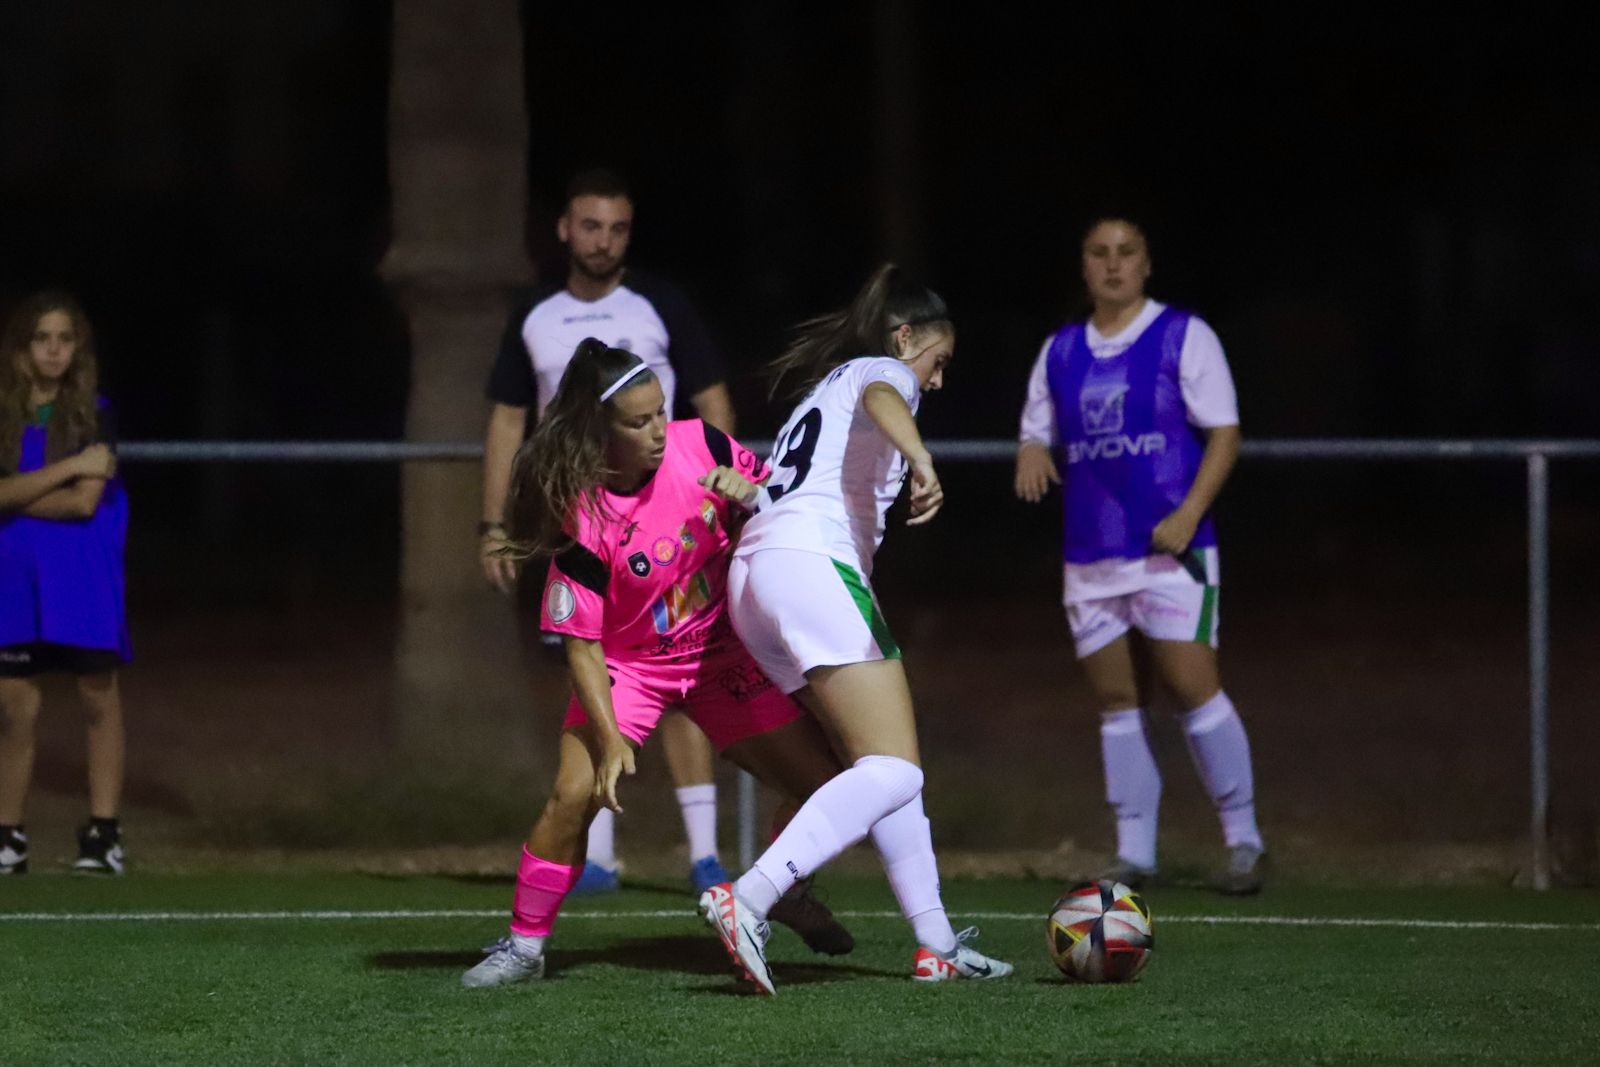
{"type": "Point", "coordinates": [801, 601]}
{"type": "Point", "coordinates": [602, 297]}
{"type": "Point", "coordinates": [1139, 402]}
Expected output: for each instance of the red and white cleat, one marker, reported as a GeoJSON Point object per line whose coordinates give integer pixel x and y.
{"type": "Point", "coordinates": [965, 962]}
{"type": "Point", "coordinates": [743, 936]}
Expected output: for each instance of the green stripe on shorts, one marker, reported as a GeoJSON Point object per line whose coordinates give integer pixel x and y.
{"type": "Point", "coordinates": [1208, 616]}
{"type": "Point", "coordinates": [869, 610]}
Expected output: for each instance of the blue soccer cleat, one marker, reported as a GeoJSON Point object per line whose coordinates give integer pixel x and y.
{"type": "Point", "coordinates": [706, 872]}
{"type": "Point", "coordinates": [594, 880]}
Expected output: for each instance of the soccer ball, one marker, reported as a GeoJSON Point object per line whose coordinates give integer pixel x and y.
{"type": "Point", "coordinates": [1100, 932]}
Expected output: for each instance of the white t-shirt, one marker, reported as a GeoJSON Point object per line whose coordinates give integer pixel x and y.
{"type": "Point", "coordinates": [834, 473]}
{"type": "Point", "coordinates": [1209, 396]}
{"type": "Point", "coordinates": [1203, 375]}
{"type": "Point", "coordinates": [623, 318]}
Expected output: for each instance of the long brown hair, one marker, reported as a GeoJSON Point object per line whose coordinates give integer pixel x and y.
{"type": "Point", "coordinates": [885, 303]}
{"type": "Point", "coordinates": [75, 418]}
{"type": "Point", "coordinates": [560, 469]}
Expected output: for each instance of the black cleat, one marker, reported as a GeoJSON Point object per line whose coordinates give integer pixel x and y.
{"type": "Point", "coordinates": [13, 851]}
{"type": "Point", "coordinates": [801, 911]}
{"type": "Point", "coordinates": [99, 848]}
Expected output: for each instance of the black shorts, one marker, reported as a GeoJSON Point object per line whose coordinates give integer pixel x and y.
{"type": "Point", "coordinates": [46, 657]}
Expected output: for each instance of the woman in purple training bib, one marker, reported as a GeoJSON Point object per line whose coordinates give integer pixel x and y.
{"type": "Point", "coordinates": [63, 521]}
{"type": "Point", "coordinates": [1139, 404]}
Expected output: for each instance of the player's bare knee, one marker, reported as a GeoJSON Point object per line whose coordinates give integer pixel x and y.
{"type": "Point", "coordinates": [97, 687]}
{"type": "Point", "coordinates": [19, 712]}
{"type": "Point", "coordinates": [1115, 698]}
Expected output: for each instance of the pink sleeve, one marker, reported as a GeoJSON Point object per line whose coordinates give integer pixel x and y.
{"type": "Point", "coordinates": [574, 600]}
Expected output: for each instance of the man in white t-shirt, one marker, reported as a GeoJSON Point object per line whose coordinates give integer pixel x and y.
{"type": "Point", "coordinates": [603, 297]}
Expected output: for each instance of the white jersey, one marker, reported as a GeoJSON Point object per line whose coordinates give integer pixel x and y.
{"type": "Point", "coordinates": [834, 473]}
{"type": "Point", "coordinates": [623, 318]}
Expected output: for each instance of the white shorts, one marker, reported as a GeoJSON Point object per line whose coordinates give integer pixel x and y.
{"type": "Point", "coordinates": [1162, 598]}
{"type": "Point", "coordinates": [797, 610]}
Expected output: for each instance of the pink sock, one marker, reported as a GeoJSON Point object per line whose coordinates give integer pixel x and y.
{"type": "Point", "coordinates": [541, 887]}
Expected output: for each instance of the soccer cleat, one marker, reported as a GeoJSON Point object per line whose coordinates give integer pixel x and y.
{"type": "Point", "coordinates": [99, 849]}
{"type": "Point", "coordinates": [513, 958]}
{"type": "Point", "coordinates": [964, 962]}
{"type": "Point", "coordinates": [801, 911]}
{"type": "Point", "coordinates": [706, 872]}
{"type": "Point", "coordinates": [594, 880]}
{"type": "Point", "coordinates": [743, 936]}
{"type": "Point", "coordinates": [1242, 876]}
{"type": "Point", "coordinates": [13, 851]}
{"type": "Point", "coordinates": [1133, 875]}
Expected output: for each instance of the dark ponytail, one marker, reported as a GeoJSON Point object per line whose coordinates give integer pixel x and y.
{"type": "Point", "coordinates": [560, 468]}
{"type": "Point", "coordinates": [885, 303]}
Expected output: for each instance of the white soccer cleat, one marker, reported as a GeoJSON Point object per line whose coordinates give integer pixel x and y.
{"type": "Point", "coordinates": [743, 936]}
{"type": "Point", "coordinates": [514, 958]}
{"type": "Point", "coordinates": [965, 962]}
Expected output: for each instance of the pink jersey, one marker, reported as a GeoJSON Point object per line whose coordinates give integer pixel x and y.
{"type": "Point", "coordinates": [650, 582]}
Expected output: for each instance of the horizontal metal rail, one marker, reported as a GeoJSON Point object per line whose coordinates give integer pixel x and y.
{"type": "Point", "coordinates": [955, 449]}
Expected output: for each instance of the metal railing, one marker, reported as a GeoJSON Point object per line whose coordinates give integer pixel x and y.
{"type": "Point", "coordinates": [1535, 454]}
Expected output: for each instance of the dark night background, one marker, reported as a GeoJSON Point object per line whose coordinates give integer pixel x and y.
{"type": "Point", "coordinates": [1391, 219]}
{"type": "Point", "coordinates": [1392, 224]}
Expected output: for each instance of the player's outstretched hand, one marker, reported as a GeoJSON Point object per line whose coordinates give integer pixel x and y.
{"type": "Point", "coordinates": [616, 759]}
{"type": "Point", "coordinates": [927, 495]}
{"type": "Point", "coordinates": [1173, 533]}
{"type": "Point", "coordinates": [498, 567]}
{"type": "Point", "coordinates": [732, 486]}
{"type": "Point", "coordinates": [1036, 472]}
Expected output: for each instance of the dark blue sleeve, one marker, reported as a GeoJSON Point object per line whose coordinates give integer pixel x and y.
{"type": "Point", "coordinates": [511, 378]}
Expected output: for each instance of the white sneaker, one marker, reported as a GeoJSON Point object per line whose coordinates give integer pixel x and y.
{"type": "Point", "coordinates": [743, 937]}
{"type": "Point", "coordinates": [513, 958]}
{"type": "Point", "coordinates": [964, 962]}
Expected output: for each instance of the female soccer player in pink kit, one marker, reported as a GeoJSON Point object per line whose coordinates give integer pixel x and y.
{"type": "Point", "coordinates": [639, 515]}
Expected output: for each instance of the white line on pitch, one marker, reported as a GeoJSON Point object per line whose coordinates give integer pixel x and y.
{"type": "Point", "coordinates": [677, 913]}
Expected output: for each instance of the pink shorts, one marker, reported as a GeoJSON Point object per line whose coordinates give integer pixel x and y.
{"type": "Point", "coordinates": [723, 692]}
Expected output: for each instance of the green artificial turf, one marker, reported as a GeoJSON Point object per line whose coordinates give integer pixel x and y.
{"type": "Point", "coordinates": [645, 989]}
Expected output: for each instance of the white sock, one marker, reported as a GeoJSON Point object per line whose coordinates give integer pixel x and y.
{"type": "Point", "coordinates": [905, 841]}
{"type": "Point", "coordinates": [1133, 784]}
{"type": "Point", "coordinates": [834, 818]}
{"type": "Point", "coordinates": [1221, 753]}
{"type": "Point", "coordinates": [699, 804]}
{"type": "Point", "coordinates": [603, 839]}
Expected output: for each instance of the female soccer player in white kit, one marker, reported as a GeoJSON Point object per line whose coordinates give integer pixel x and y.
{"type": "Point", "coordinates": [1140, 403]}
{"type": "Point", "coordinates": [800, 598]}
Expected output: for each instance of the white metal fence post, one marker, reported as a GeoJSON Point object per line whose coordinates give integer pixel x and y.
{"type": "Point", "coordinates": [1539, 662]}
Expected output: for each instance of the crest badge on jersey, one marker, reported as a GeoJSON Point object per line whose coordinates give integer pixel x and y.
{"type": "Point", "coordinates": [639, 564]}
{"type": "Point", "coordinates": [559, 603]}
{"type": "Point", "coordinates": [1102, 408]}
{"type": "Point", "coordinates": [665, 550]}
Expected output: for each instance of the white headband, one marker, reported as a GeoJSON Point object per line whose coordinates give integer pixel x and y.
{"type": "Point", "coordinates": [611, 390]}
